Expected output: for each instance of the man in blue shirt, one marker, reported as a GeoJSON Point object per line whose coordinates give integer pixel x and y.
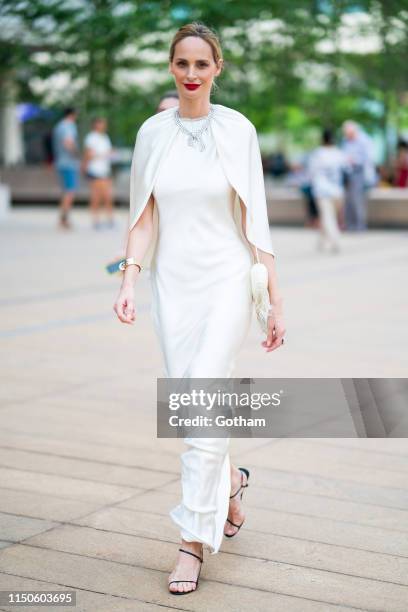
{"type": "Point", "coordinates": [67, 162]}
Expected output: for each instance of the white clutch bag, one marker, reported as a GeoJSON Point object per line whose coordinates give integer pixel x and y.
{"type": "Point", "coordinates": [260, 293]}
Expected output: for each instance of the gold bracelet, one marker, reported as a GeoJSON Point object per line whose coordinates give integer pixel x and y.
{"type": "Point", "coordinates": [130, 261]}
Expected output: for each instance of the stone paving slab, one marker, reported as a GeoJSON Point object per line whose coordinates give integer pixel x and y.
{"type": "Point", "coordinates": [239, 570]}
{"type": "Point", "coordinates": [148, 458]}
{"type": "Point", "coordinates": [15, 528]}
{"type": "Point", "coordinates": [260, 523]}
{"type": "Point", "coordinates": [382, 446]}
{"type": "Point", "coordinates": [310, 463]}
{"type": "Point", "coordinates": [334, 488]}
{"type": "Point", "coordinates": [128, 580]}
{"type": "Point", "coordinates": [354, 456]}
{"type": "Point", "coordinates": [37, 505]}
{"type": "Point", "coordinates": [104, 429]}
{"type": "Point", "coordinates": [285, 501]}
{"type": "Point", "coordinates": [86, 601]}
{"type": "Point", "coordinates": [85, 485]}
{"type": "Point", "coordinates": [56, 426]}
{"type": "Point", "coordinates": [87, 470]}
{"type": "Point", "coordinates": [301, 268]}
{"type": "Point", "coordinates": [289, 552]}
{"type": "Point", "coordinates": [73, 488]}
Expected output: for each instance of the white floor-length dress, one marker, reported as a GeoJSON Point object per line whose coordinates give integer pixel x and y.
{"type": "Point", "coordinates": [201, 309]}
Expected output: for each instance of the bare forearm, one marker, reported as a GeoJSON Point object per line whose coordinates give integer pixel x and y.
{"type": "Point", "coordinates": [275, 296]}
{"type": "Point", "coordinates": [137, 245]}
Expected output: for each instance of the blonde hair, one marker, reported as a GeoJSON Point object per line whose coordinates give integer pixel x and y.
{"type": "Point", "coordinates": [201, 31]}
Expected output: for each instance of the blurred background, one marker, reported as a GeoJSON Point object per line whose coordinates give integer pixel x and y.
{"type": "Point", "coordinates": [326, 85]}
{"type": "Point", "coordinates": [85, 484]}
{"type": "Point", "coordinates": [292, 67]}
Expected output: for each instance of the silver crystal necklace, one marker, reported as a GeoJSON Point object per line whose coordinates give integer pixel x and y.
{"type": "Point", "coordinates": [194, 136]}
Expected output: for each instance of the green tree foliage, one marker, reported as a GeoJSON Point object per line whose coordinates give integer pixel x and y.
{"type": "Point", "coordinates": [286, 64]}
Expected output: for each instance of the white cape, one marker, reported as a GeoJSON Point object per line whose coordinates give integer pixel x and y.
{"type": "Point", "coordinates": [238, 149]}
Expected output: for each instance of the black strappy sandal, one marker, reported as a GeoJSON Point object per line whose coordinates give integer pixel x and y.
{"type": "Point", "coordinates": [195, 581]}
{"type": "Point", "coordinates": [243, 471]}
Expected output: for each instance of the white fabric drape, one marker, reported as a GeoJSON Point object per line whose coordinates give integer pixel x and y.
{"type": "Point", "coordinates": [238, 149]}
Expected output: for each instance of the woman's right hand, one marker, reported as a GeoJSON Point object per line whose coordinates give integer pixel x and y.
{"type": "Point", "coordinates": [125, 305]}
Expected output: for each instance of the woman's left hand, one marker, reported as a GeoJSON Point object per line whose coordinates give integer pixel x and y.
{"type": "Point", "coordinates": [276, 332]}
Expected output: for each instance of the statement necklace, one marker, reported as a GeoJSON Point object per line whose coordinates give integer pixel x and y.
{"type": "Point", "coordinates": [195, 136]}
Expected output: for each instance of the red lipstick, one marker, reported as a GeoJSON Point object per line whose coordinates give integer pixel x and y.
{"type": "Point", "coordinates": [191, 86]}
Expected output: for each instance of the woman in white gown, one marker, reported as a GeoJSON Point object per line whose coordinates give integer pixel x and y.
{"type": "Point", "coordinates": [199, 252]}
{"type": "Point", "coordinates": [200, 279]}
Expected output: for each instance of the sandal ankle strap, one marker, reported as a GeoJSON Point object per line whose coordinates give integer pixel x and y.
{"type": "Point", "coordinates": [235, 525]}
{"type": "Point", "coordinates": [242, 485]}
{"type": "Point", "coordinates": [192, 554]}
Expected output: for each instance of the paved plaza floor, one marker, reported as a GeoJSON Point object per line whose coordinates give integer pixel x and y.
{"type": "Point", "coordinates": [86, 487]}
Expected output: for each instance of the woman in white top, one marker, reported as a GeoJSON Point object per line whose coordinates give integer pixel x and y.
{"type": "Point", "coordinates": [327, 166]}
{"type": "Point", "coordinates": [199, 274]}
{"type": "Point", "coordinates": [97, 166]}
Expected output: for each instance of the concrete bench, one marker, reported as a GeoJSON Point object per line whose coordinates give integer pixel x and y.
{"type": "Point", "coordinates": [387, 207]}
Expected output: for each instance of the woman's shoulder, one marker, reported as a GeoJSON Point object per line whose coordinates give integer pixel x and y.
{"type": "Point", "coordinates": [235, 116]}
{"type": "Point", "coordinates": [156, 122]}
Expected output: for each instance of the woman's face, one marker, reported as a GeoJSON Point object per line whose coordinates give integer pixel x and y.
{"type": "Point", "coordinates": [193, 64]}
